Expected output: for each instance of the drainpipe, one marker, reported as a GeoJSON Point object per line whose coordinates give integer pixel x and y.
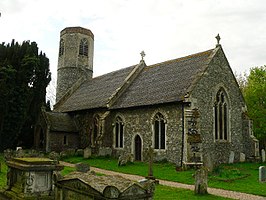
{"type": "Point", "coordinates": [183, 135]}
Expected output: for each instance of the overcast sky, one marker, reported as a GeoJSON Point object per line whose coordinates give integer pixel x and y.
{"type": "Point", "coordinates": [164, 29]}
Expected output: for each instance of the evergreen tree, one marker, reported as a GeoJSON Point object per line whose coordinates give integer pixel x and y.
{"type": "Point", "coordinates": [24, 76]}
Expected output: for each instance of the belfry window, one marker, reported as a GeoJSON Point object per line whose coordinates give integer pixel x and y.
{"type": "Point", "coordinates": [83, 47]}
{"type": "Point", "coordinates": [159, 131]}
{"type": "Point", "coordinates": [221, 116]}
{"type": "Point", "coordinates": [119, 133]}
{"type": "Point", "coordinates": [61, 47]}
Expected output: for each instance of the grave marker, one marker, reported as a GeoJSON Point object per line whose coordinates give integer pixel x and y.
{"type": "Point", "coordinates": [262, 174]}
{"type": "Point", "coordinates": [231, 157]}
{"type": "Point", "coordinates": [201, 181]}
{"type": "Point", "coordinates": [263, 155]}
{"type": "Point", "coordinates": [242, 157]}
{"type": "Point", "coordinates": [87, 153]}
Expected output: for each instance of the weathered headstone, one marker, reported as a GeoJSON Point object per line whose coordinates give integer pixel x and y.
{"type": "Point", "coordinates": [124, 159]}
{"type": "Point", "coordinates": [54, 156]}
{"type": "Point", "coordinates": [262, 174]}
{"type": "Point", "coordinates": [263, 155]}
{"type": "Point", "coordinates": [8, 154]}
{"type": "Point", "coordinates": [150, 156]}
{"type": "Point", "coordinates": [242, 157]}
{"type": "Point", "coordinates": [20, 152]}
{"type": "Point", "coordinates": [231, 157]}
{"type": "Point", "coordinates": [82, 167]}
{"type": "Point", "coordinates": [87, 153]}
{"type": "Point", "coordinates": [80, 152]}
{"type": "Point", "coordinates": [201, 181]}
{"type": "Point", "coordinates": [105, 151]}
{"type": "Point", "coordinates": [207, 162]}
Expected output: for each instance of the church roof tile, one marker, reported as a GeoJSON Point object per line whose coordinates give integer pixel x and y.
{"type": "Point", "coordinates": [159, 83]}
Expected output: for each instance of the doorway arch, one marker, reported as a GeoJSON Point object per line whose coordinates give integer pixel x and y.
{"type": "Point", "coordinates": [137, 148]}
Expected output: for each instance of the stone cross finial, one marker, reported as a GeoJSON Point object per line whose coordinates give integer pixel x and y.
{"type": "Point", "coordinates": [218, 38]}
{"type": "Point", "coordinates": [142, 55]}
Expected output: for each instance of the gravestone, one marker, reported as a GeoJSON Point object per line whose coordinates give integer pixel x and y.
{"type": "Point", "coordinates": [8, 154]}
{"type": "Point", "coordinates": [151, 157]}
{"type": "Point", "coordinates": [201, 181]}
{"type": "Point", "coordinates": [231, 157]}
{"type": "Point", "coordinates": [79, 152]}
{"type": "Point", "coordinates": [207, 162]}
{"type": "Point", "coordinates": [262, 174]}
{"type": "Point", "coordinates": [87, 153]}
{"type": "Point", "coordinates": [263, 155]}
{"type": "Point", "coordinates": [242, 157]}
{"type": "Point", "coordinates": [124, 159]}
{"type": "Point", "coordinates": [54, 156]}
{"type": "Point", "coordinates": [20, 152]}
{"type": "Point", "coordinates": [82, 167]}
{"type": "Point", "coordinates": [105, 151]}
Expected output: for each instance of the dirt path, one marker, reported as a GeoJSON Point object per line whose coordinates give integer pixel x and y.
{"type": "Point", "coordinates": [214, 191]}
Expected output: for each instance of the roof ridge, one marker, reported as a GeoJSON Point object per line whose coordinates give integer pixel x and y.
{"type": "Point", "coordinates": [128, 80]}
{"type": "Point", "coordinates": [180, 59]}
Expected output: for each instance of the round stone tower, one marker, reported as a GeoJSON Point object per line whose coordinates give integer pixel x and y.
{"type": "Point", "coordinates": [75, 58]}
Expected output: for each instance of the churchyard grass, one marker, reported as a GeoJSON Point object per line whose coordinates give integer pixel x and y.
{"type": "Point", "coordinates": [165, 192]}
{"type": "Point", "coordinates": [162, 192]}
{"type": "Point", "coordinates": [241, 177]}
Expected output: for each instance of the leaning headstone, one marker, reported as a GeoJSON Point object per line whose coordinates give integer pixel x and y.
{"type": "Point", "coordinates": [231, 157]}
{"type": "Point", "coordinates": [201, 181]}
{"type": "Point", "coordinates": [242, 157]}
{"type": "Point", "coordinates": [82, 167]}
{"type": "Point", "coordinates": [87, 153]}
{"type": "Point", "coordinates": [263, 155]}
{"type": "Point", "coordinates": [262, 174]}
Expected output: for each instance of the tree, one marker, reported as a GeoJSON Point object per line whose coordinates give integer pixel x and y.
{"type": "Point", "coordinates": [254, 92]}
{"type": "Point", "coordinates": [24, 76]}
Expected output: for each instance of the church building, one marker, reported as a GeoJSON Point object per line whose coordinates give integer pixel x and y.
{"type": "Point", "coordinates": [188, 109]}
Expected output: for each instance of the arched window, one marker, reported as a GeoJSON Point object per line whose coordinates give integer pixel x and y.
{"type": "Point", "coordinates": [221, 116]}
{"type": "Point", "coordinates": [61, 47]}
{"type": "Point", "coordinates": [159, 131]}
{"type": "Point", "coordinates": [95, 130]}
{"type": "Point", "coordinates": [83, 47]}
{"type": "Point", "coordinates": [119, 133]}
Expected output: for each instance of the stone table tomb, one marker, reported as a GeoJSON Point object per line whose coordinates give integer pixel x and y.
{"type": "Point", "coordinates": [31, 178]}
{"type": "Point", "coordinates": [78, 185]}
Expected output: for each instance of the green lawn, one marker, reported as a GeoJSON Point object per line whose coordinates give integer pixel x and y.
{"type": "Point", "coordinates": [242, 177]}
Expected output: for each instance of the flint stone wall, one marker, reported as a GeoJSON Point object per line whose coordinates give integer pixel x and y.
{"type": "Point", "coordinates": [203, 97]}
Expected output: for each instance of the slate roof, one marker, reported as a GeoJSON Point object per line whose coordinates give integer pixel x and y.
{"type": "Point", "coordinates": [159, 83]}
{"type": "Point", "coordinates": [60, 122]}
{"type": "Point", "coordinates": [96, 92]}
{"type": "Point", "coordinates": [164, 82]}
